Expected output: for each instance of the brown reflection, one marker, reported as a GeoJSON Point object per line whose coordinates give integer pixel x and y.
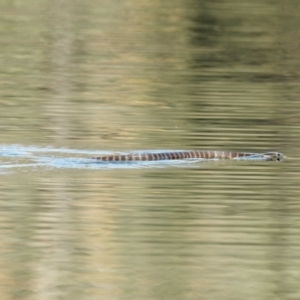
{"type": "Point", "coordinates": [62, 30]}
{"type": "Point", "coordinates": [236, 77]}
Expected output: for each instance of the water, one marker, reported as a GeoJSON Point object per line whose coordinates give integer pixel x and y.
{"type": "Point", "coordinates": [80, 79]}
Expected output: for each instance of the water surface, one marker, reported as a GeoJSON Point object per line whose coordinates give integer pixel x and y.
{"type": "Point", "coordinates": [80, 79]}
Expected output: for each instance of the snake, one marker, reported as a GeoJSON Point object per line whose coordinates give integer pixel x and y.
{"type": "Point", "coordinates": [200, 154]}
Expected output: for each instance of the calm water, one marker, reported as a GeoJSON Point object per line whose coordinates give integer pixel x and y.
{"type": "Point", "coordinates": [82, 78]}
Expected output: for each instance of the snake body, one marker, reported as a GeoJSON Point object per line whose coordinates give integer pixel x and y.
{"type": "Point", "coordinates": [175, 155]}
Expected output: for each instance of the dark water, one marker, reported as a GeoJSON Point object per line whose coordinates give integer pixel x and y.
{"type": "Point", "coordinates": [82, 78]}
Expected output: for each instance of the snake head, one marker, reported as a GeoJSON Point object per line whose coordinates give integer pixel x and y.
{"type": "Point", "coordinates": [274, 156]}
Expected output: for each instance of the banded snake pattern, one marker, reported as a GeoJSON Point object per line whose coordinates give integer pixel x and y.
{"type": "Point", "coordinates": [205, 154]}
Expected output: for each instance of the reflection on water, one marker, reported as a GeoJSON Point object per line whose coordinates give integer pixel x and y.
{"type": "Point", "coordinates": [108, 76]}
